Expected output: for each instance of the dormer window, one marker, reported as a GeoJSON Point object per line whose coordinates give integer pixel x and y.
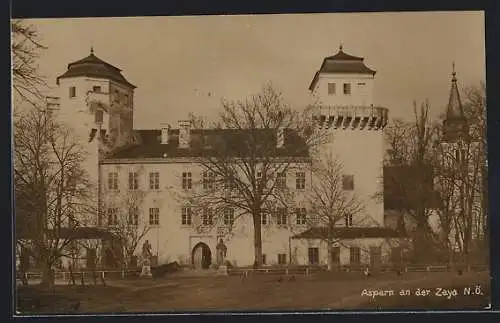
{"type": "Point", "coordinates": [347, 88]}
{"type": "Point", "coordinates": [72, 91]}
{"type": "Point", "coordinates": [96, 89]}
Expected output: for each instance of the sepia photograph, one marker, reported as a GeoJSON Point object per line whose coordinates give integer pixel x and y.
{"type": "Point", "coordinates": [250, 163]}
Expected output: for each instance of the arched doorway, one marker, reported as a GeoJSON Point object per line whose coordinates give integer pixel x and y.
{"type": "Point", "coordinates": [202, 256]}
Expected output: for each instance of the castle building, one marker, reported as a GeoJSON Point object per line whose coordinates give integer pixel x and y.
{"type": "Point", "coordinates": [140, 174]}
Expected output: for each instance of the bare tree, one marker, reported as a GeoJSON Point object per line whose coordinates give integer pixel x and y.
{"type": "Point", "coordinates": [259, 140]}
{"type": "Point", "coordinates": [127, 223]}
{"type": "Point", "coordinates": [51, 187]}
{"type": "Point", "coordinates": [411, 146]}
{"type": "Point", "coordinates": [25, 47]}
{"type": "Point", "coordinates": [331, 206]}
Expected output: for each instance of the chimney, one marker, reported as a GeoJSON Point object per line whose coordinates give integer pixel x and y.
{"type": "Point", "coordinates": [165, 128]}
{"type": "Point", "coordinates": [280, 140]}
{"type": "Point", "coordinates": [184, 133]}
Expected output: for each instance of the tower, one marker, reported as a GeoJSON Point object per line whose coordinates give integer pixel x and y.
{"type": "Point", "coordinates": [343, 89]}
{"type": "Point", "coordinates": [96, 101]}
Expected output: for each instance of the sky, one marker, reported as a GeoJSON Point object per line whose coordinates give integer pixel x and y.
{"type": "Point", "coordinates": [187, 64]}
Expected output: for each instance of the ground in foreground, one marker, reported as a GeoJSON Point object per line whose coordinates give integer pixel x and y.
{"type": "Point", "coordinates": [319, 292]}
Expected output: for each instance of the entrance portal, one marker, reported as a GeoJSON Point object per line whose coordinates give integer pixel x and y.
{"type": "Point", "coordinates": [202, 256]}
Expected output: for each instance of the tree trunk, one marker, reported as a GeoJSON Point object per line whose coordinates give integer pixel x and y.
{"type": "Point", "coordinates": [330, 255]}
{"type": "Point", "coordinates": [47, 274]}
{"type": "Point", "coordinates": [257, 236]}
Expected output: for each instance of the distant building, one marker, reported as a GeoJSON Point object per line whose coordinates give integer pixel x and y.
{"type": "Point", "coordinates": [97, 100]}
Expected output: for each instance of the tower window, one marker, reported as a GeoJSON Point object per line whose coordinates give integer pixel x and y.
{"type": "Point", "coordinates": [348, 182]}
{"type": "Point", "coordinates": [72, 91]}
{"type": "Point", "coordinates": [281, 216]}
{"type": "Point", "coordinates": [99, 116]}
{"type": "Point", "coordinates": [229, 216]}
{"type": "Point", "coordinates": [96, 89]}
{"type": "Point", "coordinates": [301, 215]}
{"type": "Point", "coordinates": [347, 88]}
{"type": "Point", "coordinates": [300, 180]}
{"type": "Point", "coordinates": [331, 88]}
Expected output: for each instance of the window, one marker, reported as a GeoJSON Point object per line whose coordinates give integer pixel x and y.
{"type": "Point", "coordinates": [347, 88]}
{"type": "Point", "coordinates": [207, 216]}
{"type": "Point", "coordinates": [282, 259]}
{"type": "Point", "coordinates": [133, 215]}
{"type": "Point", "coordinates": [126, 99]}
{"type": "Point", "coordinates": [72, 91]}
{"type": "Point", "coordinates": [117, 96]}
{"type": "Point", "coordinates": [264, 259]}
{"type": "Point", "coordinates": [187, 216]}
{"type": "Point", "coordinates": [355, 255]}
{"type": "Point", "coordinates": [229, 182]}
{"type": "Point", "coordinates": [263, 217]}
{"type": "Point", "coordinates": [281, 180]}
{"type": "Point", "coordinates": [133, 182]}
{"type": "Point", "coordinates": [96, 89]}
{"type": "Point", "coordinates": [99, 116]}
{"type": "Point", "coordinates": [361, 83]}
{"type": "Point", "coordinates": [229, 216]}
{"type": "Point", "coordinates": [113, 181]}
{"type": "Point", "coordinates": [154, 216]}
{"type": "Point", "coordinates": [348, 220]}
{"type": "Point", "coordinates": [281, 216]}
{"type": "Point", "coordinates": [301, 215]}
{"type": "Point", "coordinates": [259, 178]}
{"type": "Point", "coordinates": [113, 216]}
{"type": "Point", "coordinates": [348, 182]}
{"type": "Point", "coordinates": [331, 88]}
{"type": "Point", "coordinates": [300, 180]}
{"type": "Point", "coordinates": [208, 180]}
{"type": "Point", "coordinates": [154, 181]}
{"type": "Point", "coordinates": [313, 254]}
{"type": "Point", "coordinates": [186, 181]}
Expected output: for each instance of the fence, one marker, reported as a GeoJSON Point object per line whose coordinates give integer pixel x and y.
{"type": "Point", "coordinates": [312, 270]}
{"type": "Point", "coordinates": [286, 271]}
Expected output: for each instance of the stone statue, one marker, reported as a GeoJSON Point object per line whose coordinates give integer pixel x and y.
{"type": "Point", "coordinates": [221, 252]}
{"type": "Point", "coordinates": [146, 259]}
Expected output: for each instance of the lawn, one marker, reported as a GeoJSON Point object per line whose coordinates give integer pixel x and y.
{"type": "Point", "coordinates": [266, 292]}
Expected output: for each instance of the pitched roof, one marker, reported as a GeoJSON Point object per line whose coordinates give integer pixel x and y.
{"type": "Point", "coordinates": [349, 233]}
{"type": "Point", "coordinates": [211, 142]}
{"type": "Point", "coordinates": [342, 63]}
{"type": "Point", "coordinates": [403, 188]}
{"type": "Point", "coordinates": [93, 66]}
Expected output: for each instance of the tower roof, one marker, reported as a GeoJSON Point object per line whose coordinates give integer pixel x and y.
{"type": "Point", "coordinates": [342, 63]}
{"type": "Point", "coordinates": [93, 66]}
{"type": "Point", "coordinates": [455, 108]}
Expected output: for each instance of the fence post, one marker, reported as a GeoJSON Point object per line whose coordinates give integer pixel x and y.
{"type": "Point", "coordinates": [123, 273]}
{"type": "Point", "coordinates": [286, 271]}
{"type": "Point", "coordinates": [428, 268]}
{"type": "Point", "coordinates": [102, 274]}
{"type": "Point", "coordinates": [307, 271]}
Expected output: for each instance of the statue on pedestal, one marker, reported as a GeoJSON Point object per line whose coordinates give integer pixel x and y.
{"type": "Point", "coordinates": [146, 259]}
{"type": "Point", "coordinates": [221, 257]}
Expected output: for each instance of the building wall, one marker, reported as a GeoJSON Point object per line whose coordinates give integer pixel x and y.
{"type": "Point", "coordinates": [299, 250]}
{"type": "Point", "coordinates": [173, 241]}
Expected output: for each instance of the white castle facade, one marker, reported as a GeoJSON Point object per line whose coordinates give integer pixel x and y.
{"type": "Point", "coordinates": [150, 167]}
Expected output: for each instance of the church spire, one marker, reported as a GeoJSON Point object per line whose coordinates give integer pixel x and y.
{"type": "Point", "coordinates": [455, 123]}
{"type": "Point", "coordinates": [455, 108]}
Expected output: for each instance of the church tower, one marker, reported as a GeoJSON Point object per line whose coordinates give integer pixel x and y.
{"type": "Point", "coordinates": [343, 90]}
{"type": "Point", "coordinates": [96, 101]}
